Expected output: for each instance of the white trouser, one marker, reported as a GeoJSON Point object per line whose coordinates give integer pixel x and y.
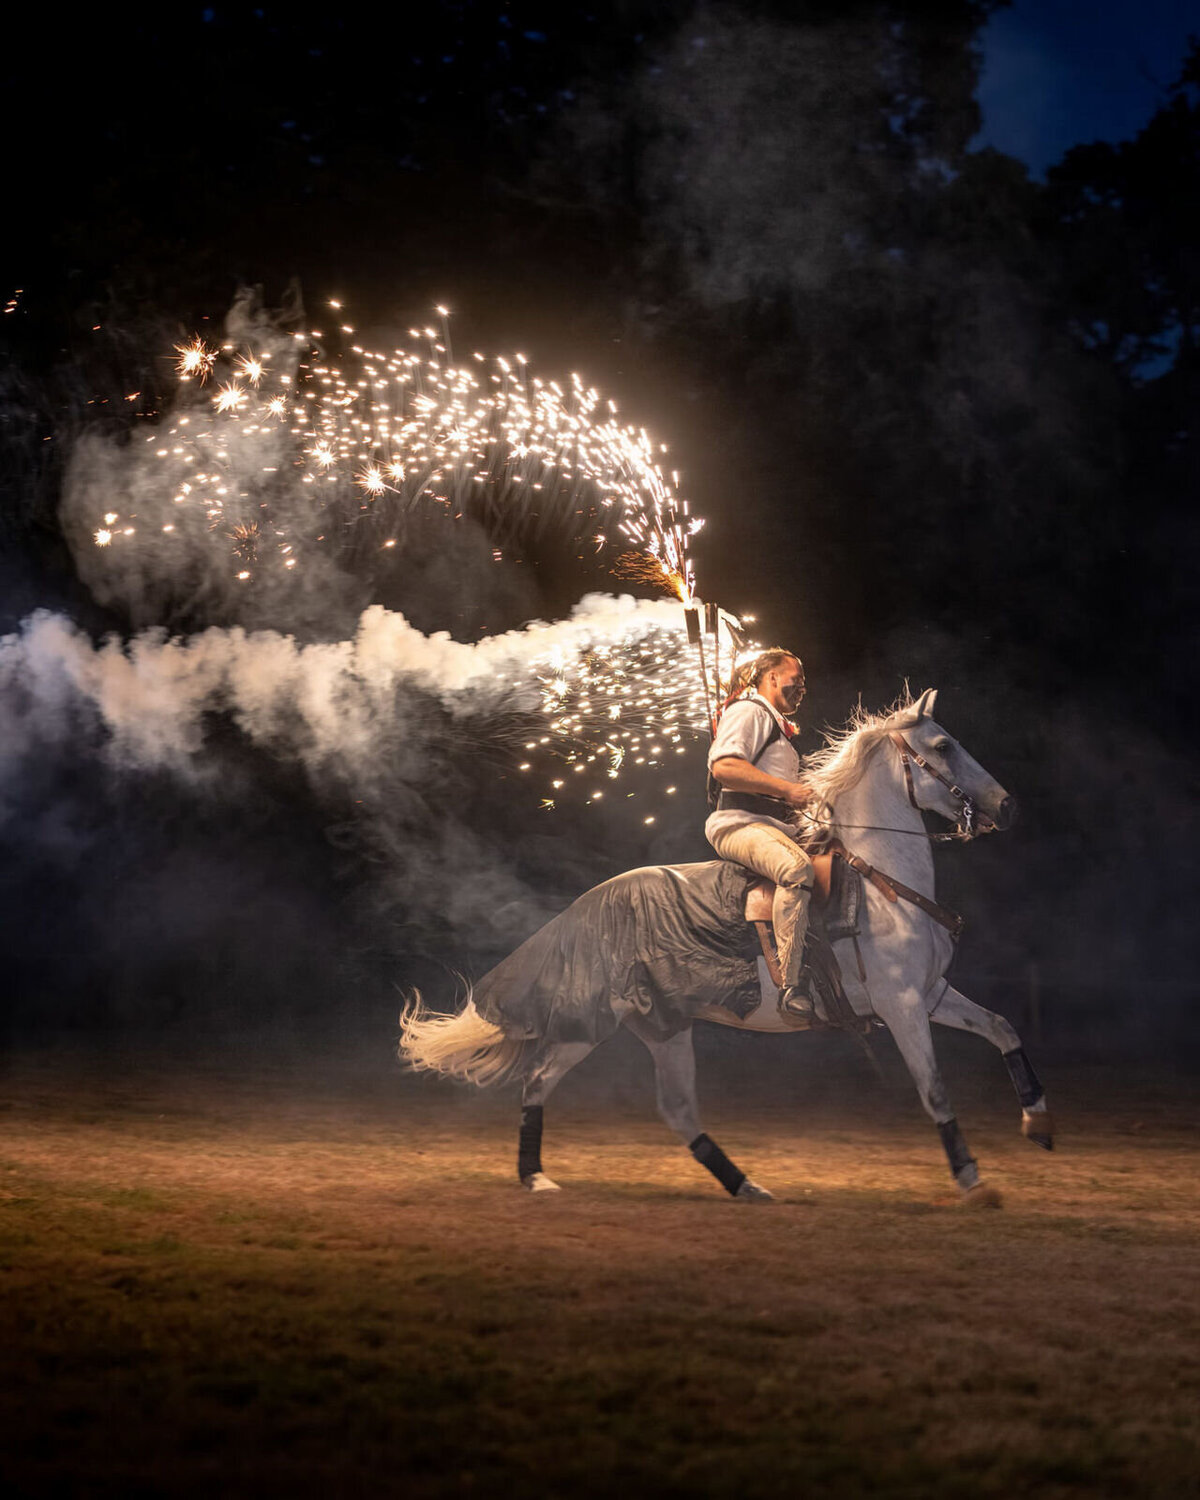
{"type": "Point", "coordinates": [770, 852]}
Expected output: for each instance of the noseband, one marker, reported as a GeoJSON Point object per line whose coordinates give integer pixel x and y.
{"type": "Point", "coordinates": [967, 812]}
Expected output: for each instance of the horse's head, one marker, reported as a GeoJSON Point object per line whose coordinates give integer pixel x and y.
{"type": "Point", "coordinates": [945, 779]}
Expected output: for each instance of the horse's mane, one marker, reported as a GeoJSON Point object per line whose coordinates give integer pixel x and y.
{"type": "Point", "coordinates": [841, 761]}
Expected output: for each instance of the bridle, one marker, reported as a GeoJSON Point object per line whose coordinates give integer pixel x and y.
{"type": "Point", "coordinates": [967, 815]}
{"type": "Point", "coordinates": [895, 889]}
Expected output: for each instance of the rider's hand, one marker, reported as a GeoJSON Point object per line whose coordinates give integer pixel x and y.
{"type": "Point", "coordinates": [799, 794]}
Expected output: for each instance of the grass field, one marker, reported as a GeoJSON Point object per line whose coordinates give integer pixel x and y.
{"type": "Point", "coordinates": [323, 1280]}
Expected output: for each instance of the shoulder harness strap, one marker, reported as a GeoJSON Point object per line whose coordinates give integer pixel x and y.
{"type": "Point", "coordinates": [894, 889]}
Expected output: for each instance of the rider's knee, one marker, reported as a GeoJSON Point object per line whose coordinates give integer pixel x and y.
{"type": "Point", "coordinates": [800, 873]}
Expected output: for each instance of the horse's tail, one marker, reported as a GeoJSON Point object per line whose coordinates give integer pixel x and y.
{"type": "Point", "coordinates": [462, 1046]}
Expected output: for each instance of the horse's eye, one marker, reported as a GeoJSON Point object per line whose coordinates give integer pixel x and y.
{"type": "Point", "coordinates": [943, 747]}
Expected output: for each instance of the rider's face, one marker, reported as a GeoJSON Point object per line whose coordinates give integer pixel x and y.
{"type": "Point", "coordinates": [787, 687]}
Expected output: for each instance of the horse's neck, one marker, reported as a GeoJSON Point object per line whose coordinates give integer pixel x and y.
{"type": "Point", "coordinates": [876, 819]}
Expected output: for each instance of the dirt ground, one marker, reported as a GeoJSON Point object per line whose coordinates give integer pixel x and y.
{"type": "Point", "coordinates": [320, 1278]}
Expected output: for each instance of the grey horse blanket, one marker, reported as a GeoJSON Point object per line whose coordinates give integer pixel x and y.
{"type": "Point", "coordinates": [668, 939]}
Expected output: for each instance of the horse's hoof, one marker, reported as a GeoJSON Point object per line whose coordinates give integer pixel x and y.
{"type": "Point", "coordinates": [1039, 1129]}
{"type": "Point", "coordinates": [538, 1182]}
{"type": "Point", "coordinates": [982, 1195]}
{"type": "Point", "coordinates": [750, 1192]}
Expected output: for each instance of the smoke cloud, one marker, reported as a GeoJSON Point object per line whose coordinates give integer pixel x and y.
{"type": "Point", "coordinates": [378, 722]}
{"type": "Point", "coordinates": [332, 707]}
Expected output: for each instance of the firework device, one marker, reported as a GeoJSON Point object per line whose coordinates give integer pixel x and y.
{"type": "Point", "coordinates": [696, 637]}
{"type": "Point", "coordinates": [714, 617]}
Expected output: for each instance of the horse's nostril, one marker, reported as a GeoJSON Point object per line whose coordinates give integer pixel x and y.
{"type": "Point", "coordinates": [1006, 815]}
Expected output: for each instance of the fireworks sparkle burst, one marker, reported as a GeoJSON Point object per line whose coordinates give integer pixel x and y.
{"type": "Point", "coordinates": [302, 448]}
{"type": "Point", "coordinates": [382, 437]}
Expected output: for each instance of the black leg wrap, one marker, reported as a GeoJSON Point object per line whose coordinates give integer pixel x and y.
{"type": "Point", "coordinates": [529, 1142]}
{"type": "Point", "coordinates": [1025, 1080]}
{"type": "Point", "coordinates": [709, 1154]}
{"type": "Point", "coordinates": [956, 1148]}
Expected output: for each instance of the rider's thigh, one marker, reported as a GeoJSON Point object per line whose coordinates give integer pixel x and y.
{"type": "Point", "coordinates": [767, 851]}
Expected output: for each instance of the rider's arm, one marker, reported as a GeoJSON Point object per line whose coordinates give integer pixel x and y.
{"type": "Point", "coordinates": [738, 775]}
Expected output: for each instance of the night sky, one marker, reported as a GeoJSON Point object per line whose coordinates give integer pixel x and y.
{"type": "Point", "coordinates": [1056, 75]}
{"type": "Point", "coordinates": [924, 354]}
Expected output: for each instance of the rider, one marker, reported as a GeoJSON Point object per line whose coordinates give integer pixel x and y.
{"type": "Point", "coordinates": [758, 771]}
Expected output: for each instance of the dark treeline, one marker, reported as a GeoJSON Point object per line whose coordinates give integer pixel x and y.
{"type": "Point", "coordinates": [940, 416]}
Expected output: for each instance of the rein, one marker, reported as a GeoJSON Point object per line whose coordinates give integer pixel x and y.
{"type": "Point", "coordinates": [957, 837]}
{"type": "Point", "coordinates": [966, 829]}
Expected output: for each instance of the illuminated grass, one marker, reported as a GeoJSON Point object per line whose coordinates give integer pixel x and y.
{"type": "Point", "coordinates": [216, 1285]}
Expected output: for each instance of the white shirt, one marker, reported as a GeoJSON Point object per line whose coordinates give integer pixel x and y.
{"type": "Point", "coordinates": [744, 729]}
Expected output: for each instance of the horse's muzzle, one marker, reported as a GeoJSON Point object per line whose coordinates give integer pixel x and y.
{"type": "Point", "coordinates": [1006, 813]}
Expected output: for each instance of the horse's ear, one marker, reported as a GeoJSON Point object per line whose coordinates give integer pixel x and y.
{"type": "Point", "coordinates": [925, 704]}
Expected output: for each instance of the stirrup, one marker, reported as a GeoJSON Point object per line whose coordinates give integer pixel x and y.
{"type": "Point", "coordinates": [796, 1001]}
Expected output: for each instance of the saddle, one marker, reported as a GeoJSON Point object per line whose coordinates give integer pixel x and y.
{"type": "Point", "coordinates": [837, 892]}
{"type": "Point", "coordinates": [760, 897]}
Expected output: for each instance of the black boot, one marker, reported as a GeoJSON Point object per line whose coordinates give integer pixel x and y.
{"type": "Point", "coordinates": [796, 1000]}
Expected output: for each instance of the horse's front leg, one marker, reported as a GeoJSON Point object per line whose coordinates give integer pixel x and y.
{"type": "Point", "coordinates": [954, 1009]}
{"type": "Point", "coordinates": [909, 1024]}
{"type": "Point", "coordinates": [675, 1085]}
{"type": "Point", "coordinates": [548, 1068]}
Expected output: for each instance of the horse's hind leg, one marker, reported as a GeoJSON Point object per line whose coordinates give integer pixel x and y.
{"type": "Point", "coordinates": [675, 1085]}
{"type": "Point", "coordinates": [549, 1067]}
{"type": "Point", "coordinates": [954, 1009]}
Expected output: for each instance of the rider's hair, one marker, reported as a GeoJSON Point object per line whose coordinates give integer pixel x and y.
{"type": "Point", "coordinates": [767, 661]}
{"type": "Point", "coordinates": [740, 680]}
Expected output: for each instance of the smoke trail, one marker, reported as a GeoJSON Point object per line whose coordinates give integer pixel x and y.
{"type": "Point", "coordinates": [376, 720]}
{"type": "Point", "coordinates": [326, 705]}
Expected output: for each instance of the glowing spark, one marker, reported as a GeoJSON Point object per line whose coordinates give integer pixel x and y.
{"type": "Point", "coordinates": [229, 398]}
{"type": "Point", "coordinates": [245, 540]}
{"type": "Point", "coordinates": [103, 537]}
{"type": "Point", "coordinates": [195, 359]}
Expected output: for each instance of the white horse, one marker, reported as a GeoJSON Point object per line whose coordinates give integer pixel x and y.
{"type": "Point", "coordinates": [872, 780]}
